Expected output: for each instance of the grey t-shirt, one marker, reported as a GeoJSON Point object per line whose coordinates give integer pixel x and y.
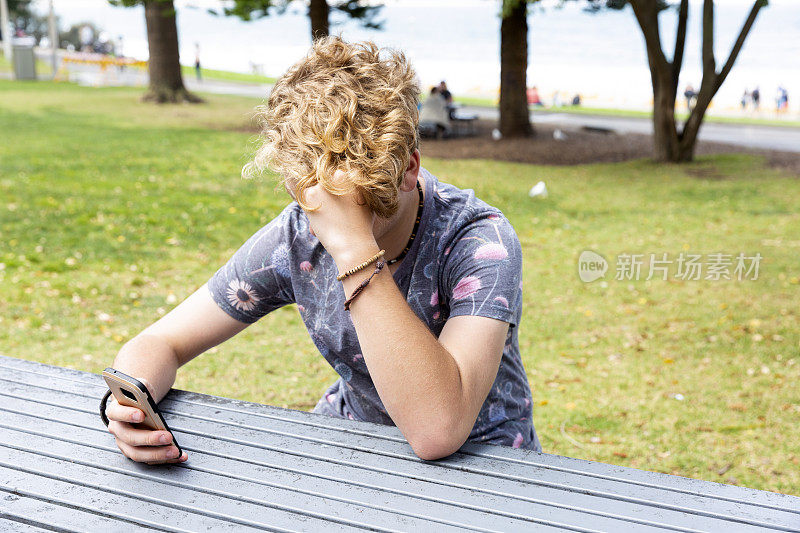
{"type": "Point", "coordinates": [465, 260]}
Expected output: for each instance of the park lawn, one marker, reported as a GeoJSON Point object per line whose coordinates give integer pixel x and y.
{"type": "Point", "coordinates": [44, 69]}
{"type": "Point", "coordinates": [226, 75]}
{"type": "Point", "coordinates": [113, 211]}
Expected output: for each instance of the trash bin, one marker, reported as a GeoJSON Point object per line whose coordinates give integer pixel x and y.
{"type": "Point", "coordinates": [24, 62]}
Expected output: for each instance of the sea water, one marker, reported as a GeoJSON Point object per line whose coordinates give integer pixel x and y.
{"type": "Point", "coordinates": [599, 56]}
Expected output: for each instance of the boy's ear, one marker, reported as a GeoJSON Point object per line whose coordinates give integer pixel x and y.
{"type": "Point", "coordinates": [411, 173]}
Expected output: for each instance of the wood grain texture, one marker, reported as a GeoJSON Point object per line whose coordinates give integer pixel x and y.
{"type": "Point", "coordinates": [258, 467]}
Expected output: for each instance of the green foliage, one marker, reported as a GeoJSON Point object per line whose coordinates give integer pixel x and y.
{"type": "Point", "coordinates": [249, 9]}
{"type": "Point", "coordinates": [224, 75]}
{"type": "Point", "coordinates": [72, 36]}
{"type": "Point", "coordinates": [132, 3]}
{"type": "Point", "coordinates": [18, 8]}
{"type": "Point", "coordinates": [508, 6]}
{"type": "Point", "coordinates": [598, 5]}
{"type": "Point", "coordinates": [358, 10]}
{"type": "Point", "coordinates": [365, 13]}
{"type": "Point", "coordinates": [113, 211]}
{"type": "Point", "coordinates": [22, 16]}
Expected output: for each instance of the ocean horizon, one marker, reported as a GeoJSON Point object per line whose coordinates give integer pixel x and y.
{"type": "Point", "coordinates": [599, 56]}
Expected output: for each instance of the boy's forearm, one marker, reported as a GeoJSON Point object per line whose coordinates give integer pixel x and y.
{"type": "Point", "coordinates": [418, 381]}
{"type": "Point", "coordinates": [149, 357]}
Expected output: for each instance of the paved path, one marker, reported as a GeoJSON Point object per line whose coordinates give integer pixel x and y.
{"type": "Point", "coordinates": [767, 137]}
{"type": "Point", "coordinates": [784, 138]}
{"type": "Point", "coordinates": [222, 87]}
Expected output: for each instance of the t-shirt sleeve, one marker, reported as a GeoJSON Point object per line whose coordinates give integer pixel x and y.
{"type": "Point", "coordinates": [482, 274]}
{"type": "Point", "coordinates": [257, 278]}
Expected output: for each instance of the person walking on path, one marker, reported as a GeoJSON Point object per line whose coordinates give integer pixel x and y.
{"type": "Point", "coordinates": [756, 96]}
{"type": "Point", "coordinates": [745, 99]}
{"type": "Point", "coordinates": [197, 69]}
{"type": "Point", "coordinates": [691, 97]}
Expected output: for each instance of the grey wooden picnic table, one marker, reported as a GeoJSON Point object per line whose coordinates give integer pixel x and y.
{"type": "Point", "coordinates": [254, 467]}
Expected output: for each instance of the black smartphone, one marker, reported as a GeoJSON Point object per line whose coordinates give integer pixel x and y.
{"type": "Point", "coordinates": [131, 392]}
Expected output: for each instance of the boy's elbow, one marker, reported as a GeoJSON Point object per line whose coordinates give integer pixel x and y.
{"type": "Point", "coordinates": [432, 445]}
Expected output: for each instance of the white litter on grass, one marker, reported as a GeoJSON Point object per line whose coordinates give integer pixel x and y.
{"type": "Point", "coordinates": [538, 191]}
{"type": "Point", "coordinates": [559, 135]}
{"type": "Point", "coordinates": [496, 135]}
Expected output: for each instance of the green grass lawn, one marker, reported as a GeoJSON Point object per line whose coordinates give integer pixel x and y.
{"type": "Point", "coordinates": [112, 211]}
{"type": "Point", "coordinates": [44, 69]}
{"type": "Point", "coordinates": [225, 75]}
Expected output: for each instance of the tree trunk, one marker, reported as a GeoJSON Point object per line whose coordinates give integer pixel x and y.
{"type": "Point", "coordinates": [166, 82]}
{"type": "Point", "coordinates": [712, 80]}
{"type": "Point", "coordinates": [669, 145]}
{"type": "Point", "coordinates": [318, 11]}
{"type": "Point", "coordinates": [688, 137]}
{"type": "Point", "coordinates": [514, 115]}
{"type": "Point", "coordinates": [665, 133]}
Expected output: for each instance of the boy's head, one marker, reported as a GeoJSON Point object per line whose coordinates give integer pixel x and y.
{"type": "Point", "coordinates": [342, 107]}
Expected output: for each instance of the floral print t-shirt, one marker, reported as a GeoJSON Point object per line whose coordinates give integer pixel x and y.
{"type": "Point", "coordinates": [465, 260]}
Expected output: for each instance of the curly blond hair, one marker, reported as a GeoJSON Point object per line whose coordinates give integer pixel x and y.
{"type": "Point", "coordinates": [342, 107]}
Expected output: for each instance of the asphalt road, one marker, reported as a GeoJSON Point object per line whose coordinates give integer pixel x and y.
{"type": "Point", "coordinates": [783, 138]}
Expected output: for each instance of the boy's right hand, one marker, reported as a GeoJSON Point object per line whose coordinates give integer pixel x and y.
{"type": "Point", "coordinates": [141, 445]}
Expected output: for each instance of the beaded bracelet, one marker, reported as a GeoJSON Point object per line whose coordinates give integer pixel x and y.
{"type": "Point", "coordinates": [378, 267]}
{"type": "Point", "coordinates": [362, 266]}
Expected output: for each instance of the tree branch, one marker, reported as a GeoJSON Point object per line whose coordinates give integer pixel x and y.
{"type": "Point", "coordinates": [709, 63]}
{"type": "Point", "coordinates": [751, 18]}
{"type": "Point", "coordinates": [680, 41]}
{"type": "Point", "coordinates": [647, 16]}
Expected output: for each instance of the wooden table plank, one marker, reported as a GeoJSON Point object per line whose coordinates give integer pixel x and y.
{"type": "Point", "coordinates": [65, 448]}
{"type": "Point", "coordinates": [18, 512]}
{"type": "Point", "coordinates": [8, 524]}
{"type": "Point", "coordinates": [358, 474]}
{"type": "Point", "coordinates": [180, 503]}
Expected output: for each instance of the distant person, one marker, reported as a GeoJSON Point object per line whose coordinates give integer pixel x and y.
{"type": "Point", "coordinates": [433, 115]}
{"type": "Point", "coordinates": [534, 98]}
{"type": "Point", "coordinates": [448, 99]}
{"type": "Point", "coordinates": [197, 62]}
{"type": "Point", "coordinates": [446, 94]}
{"type": "Point", "coordinates": [755, 96]}
{"type": "Point", "coordinates": [781, 100]}
{"type": "Point", "coordinates": [745, 99]}
{"type": "Point", "coordinates": [691, 97]}
{"type": "Point", "coordinates": [576, 100]}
